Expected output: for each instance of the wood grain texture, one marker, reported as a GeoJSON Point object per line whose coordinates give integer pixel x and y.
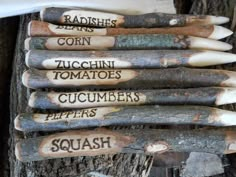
{"type": "Point", "coordinates": [225, 8]}
{"type": "Point", "coordinates": [212, 7]}
{"type": "Point", "coordinates": [86, 99]}
{"type": "Point", "coordinates": [129, 78]}
{"type": "Point", "coordinates": [110, 165]}
{"type": "Point", "coordinates": [40, 28]}
{"type": "Point", "coordinates": [45, 59]}
{"type": "Point", "coordinates": [123, 116]}
{"type": "Point", "coordinates": [119, 42]}
{"type": "Point", "coordinates": [125, 42]}
{"type": "Point", "coordinates": [72, 167]}
{"type": "Point", "coordinates": [138, 59]}
{"type": "Point", "coordinates": [102, 19]}
{"type": "Point", "coordinates": [103, 141]}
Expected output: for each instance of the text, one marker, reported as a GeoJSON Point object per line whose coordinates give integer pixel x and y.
{"type": "Point", "coordinates": [84, 113]}
{"type": "Point", "coordinates": [89, 21]}
{"type": "Point", "coordinates": [88, 75]}
{"type": "Point", "coordinates": [73, 41]}
{"type": "Point", "coordinates": [97, 97]}
{"type": "Point", "coordinates": [76, 28]}
{"type": "Point", "coordinates": [61, 64]}
{"type": "Point", "coordinates": [72, 145]}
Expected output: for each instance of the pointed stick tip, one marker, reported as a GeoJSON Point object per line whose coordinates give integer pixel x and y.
{"type": "Point", "coordinates": [231, 80]}
{"type": "Point", "coordinates": [208, 44]}
{"type": "Point", "coordinates": [226, 96]}
{"type": "Point", "coordinates": [209, 58]}
{"type": "Point", "coordinates": [220, 32]}
{"type": "Point", "coordinates": [17, 123]}
{"type": "Point", "coordinates": [218, 20]}
{"type": "Point", "coordinates": [27, 43]}
{"type": "Point", "coordinates": [18, 151]}
{"type": "Point", "coordinates": [227, 118]}
{"type": "Point", "coordinates": [29, 28]}
{"type": "Point", "coordinates": [27, 55]}
{"type": "Point", "coordinates": [25, 78]}
{"type": "Point", "coordinates": [41, 13]}
{"type": "Point", "coordinates": [31, 101]}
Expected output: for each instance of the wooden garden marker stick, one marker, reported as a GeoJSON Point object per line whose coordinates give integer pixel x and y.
{"type": "Point", "coordinates": [103, 19]}
{"type": "Point", "coordinates": [128, 115]}
{"type": "Point", "coordinates": [140, 59]}
{"type": "Point", "coordinates": [102, 141]}
{"type": "Point", "coordinates": [129, 7]}
{"type": "Point", "coordinates": [125, 42]}
{"type": "Point", "coordinates": [44, 29]}
{"type": "Point", "coordinates": [129, 78]}
{"type": "Point", "coordinates": [88, 99]}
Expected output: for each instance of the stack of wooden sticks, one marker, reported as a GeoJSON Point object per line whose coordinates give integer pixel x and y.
{"type": "Point", "coordinates": [148, 76]}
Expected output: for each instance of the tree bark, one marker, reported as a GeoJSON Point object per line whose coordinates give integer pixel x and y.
{"type": "Point", "coordinates": [128, 79]}
{"type": "Point", "coordinates": [212, 7]}
{"type": "Point", "coordinates": [103, 141]}
{"type": "Point", "coordinates": [137, 59]}
{"type": "Point", "coordinates": [116, 165]}
{"type": "Point", "coordinates": [125, 115]}
{"type": "Point", "coordinates": [224, 8]}
{"type": "Point", "coordinates": [40, 29]}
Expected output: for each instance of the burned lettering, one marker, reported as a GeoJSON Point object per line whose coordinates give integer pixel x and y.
{"type": "Point", "coordinates": [87, 75]}
{"type": "Point", "coordinates": [96, 97]}
{"type": "Point", "coordinates": [75, 28]}
{"type": "Point", "coordinates": [71, 145]}
{"type": "Point", "coordinates": [74, 41]}
{"type": "Point", "coordinates": [88, 64]}
{"type": "Point", "coordinates": [79, 114]}
{"type": "Point", "coordinates": [89, 21]}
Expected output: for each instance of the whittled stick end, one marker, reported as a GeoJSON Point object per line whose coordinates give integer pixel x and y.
{"type": "Point", "coordinates": [17, 122]}
{"type": "Point", "coordinates": [27, 43]}
{"type": "Point", "coordinates": [42, 12]}
{"type": "Point", "coordinates": [29, 28]}
{"type": "Point", "coordinates": [208, 44]}
{"type": "Point", "coordinates": [32, 99]}
{"type": "Point", "coordinates": [226, 96]}
{"type": "Point", "coordinates": [25, 78]}
{"type": "Point", "coordinates": [220, 32]}
{"type": "Point", "coordinates": [18, 151]}
{"type": "Point", "coordinates": [218, 20]}
{"type": "Point", "coordinates": [27, 55]}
